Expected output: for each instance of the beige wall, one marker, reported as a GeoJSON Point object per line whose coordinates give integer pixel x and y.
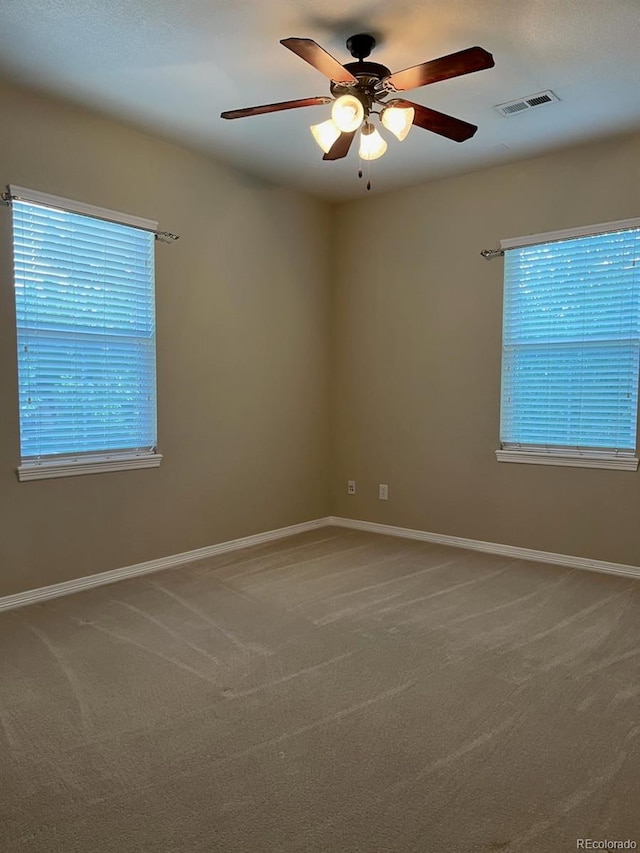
{"type": "Point", "coordinates": [416, 370]}
{"type": "Point", "coordinates": [242, 332]}
{"type": "Point", "coordinates": [276, 312]}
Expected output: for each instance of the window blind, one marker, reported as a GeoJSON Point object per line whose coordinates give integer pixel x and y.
{"type": "Point", "coordinates": [84, 292]}
{"type": "Point", "coordinates": [571, 343]}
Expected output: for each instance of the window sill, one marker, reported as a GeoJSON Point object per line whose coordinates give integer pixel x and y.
{"type": "Point", "coordinates": [76, 466]}
{"type": "Point", "coordinates": [570, 459]}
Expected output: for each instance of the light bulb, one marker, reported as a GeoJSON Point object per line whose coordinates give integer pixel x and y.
{"type": "Point", "coordinates": [372, 145]}
{"type": "Point", "coordinates": [325, 134]}
{"type": "Point", "coordinates": [348, 113]}
{"type": "Point", "coordinates": [398, 120]}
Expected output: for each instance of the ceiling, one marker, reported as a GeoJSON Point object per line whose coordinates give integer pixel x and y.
{"type": "Point", "coordinates": [172, 67]}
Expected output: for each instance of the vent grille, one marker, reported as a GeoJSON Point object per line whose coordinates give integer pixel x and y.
{"type": "Point", "coordinates": [530, 102]}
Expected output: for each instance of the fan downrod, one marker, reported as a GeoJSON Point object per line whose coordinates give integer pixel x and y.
{"type": "Point", "coordinates": [360, 45]}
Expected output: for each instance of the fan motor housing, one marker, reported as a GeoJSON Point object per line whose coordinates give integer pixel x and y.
{"type": "Point", "coordinates": [368, 75]}
{"type": "Point", "coordinates": [371, 69]}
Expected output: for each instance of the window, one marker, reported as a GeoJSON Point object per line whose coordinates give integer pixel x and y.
{"type": "Point", "coordinates": [571, 346]}
{"type": "Point", "coordinates": [85, 314]}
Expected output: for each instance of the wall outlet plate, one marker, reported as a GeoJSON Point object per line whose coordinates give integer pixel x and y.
{"type": "Point", "coordinates": [351, 487]}
{"type": "Point", "coordinates": [383, 492]}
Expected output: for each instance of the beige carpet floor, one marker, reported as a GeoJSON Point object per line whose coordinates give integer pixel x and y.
{"type": "Point", "coordinates": [335, 691]}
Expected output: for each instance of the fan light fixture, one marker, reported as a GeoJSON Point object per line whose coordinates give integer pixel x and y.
{"type": "Point", "coordinates": [348, 113]}
{"type": "Point", "coordinates": [325, 134]}
{"type": "Point", "coordinates": [398, 120]}
{"type": "Point", "coordinates": [372, 145]}
{"type": "Point", "coordinates": [359, 89]}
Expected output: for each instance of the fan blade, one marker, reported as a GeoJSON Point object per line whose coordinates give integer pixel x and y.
{"type": "Point", "coordinates": [441, 123]}
{"type": "Point", "coordinates": [275, 108]}
{"type": "Point", "coordinates": [340, 147]}
{"type": "Point", "coordinates": [317, 56]}
{"type": "Point", "coordinates": [454, 65]}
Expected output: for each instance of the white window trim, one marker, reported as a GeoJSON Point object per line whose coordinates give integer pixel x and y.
{"type": "Point", "coordinates": [60, 203]}
{"type": "Point", "coordinates": [569, 233]}
{"type": "Point", "coordinates": [567, 457]}
{"type": "Point", "coordinates": [73, 466]}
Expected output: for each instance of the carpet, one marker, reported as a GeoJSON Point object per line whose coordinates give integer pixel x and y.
{"type": "Point", "coordinates": [334, 691]}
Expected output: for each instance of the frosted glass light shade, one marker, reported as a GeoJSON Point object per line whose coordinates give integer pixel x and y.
{"type": "Point", "coordinates": [325, 134]}
{"type": "Point", "coordinates": [348, 113]}
{"type": "Point", "coordinates": [398, 120]}
{"type": "Point", "coordinates": [372, 145]}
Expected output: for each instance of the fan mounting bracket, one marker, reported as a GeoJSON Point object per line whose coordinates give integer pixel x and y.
{"type": "Point", "coordinates": [360, 45]}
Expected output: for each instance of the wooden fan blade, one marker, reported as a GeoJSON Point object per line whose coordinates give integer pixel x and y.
{"type": "Point", "coordinates": [275, 108]}
{"type": "Point", "coordinates": [340, 147]}
{"type": "Point", "coordinates": [317, 56]}
{"type": "Point", "coordinates": [453, 65]}
{"type": "Point", "coordinates": [441, 123]}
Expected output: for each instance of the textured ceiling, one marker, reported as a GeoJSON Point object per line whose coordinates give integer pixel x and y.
{"type": "Point", "coordinates": [173, 67]}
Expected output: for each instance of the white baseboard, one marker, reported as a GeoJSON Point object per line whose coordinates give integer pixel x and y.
{"type": "Point", "coordinates": [34, 596]}
{"type": "Point", "coordinates": [489, 547]}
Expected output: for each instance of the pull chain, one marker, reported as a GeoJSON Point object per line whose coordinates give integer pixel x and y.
{"type": "Point", "coordinates": [360, 172]}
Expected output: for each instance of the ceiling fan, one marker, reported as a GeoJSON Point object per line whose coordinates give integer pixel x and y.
{"type": "Point", "coordinates": [361, 89]}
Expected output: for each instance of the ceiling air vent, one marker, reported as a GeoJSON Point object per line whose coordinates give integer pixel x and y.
{"type": "Point", "coordinates": [538, 100]}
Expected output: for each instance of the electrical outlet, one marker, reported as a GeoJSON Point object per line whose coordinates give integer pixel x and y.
{"type": "Point", "coordinates": [351, 487]}
{"type": "Point", "coordinates": [383, 492]}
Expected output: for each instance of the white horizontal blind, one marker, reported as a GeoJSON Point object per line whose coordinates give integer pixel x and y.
{"type": "Point", "coordinates": [571, 343]}
{"type": "Point", "coordinates": [84, 290]}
